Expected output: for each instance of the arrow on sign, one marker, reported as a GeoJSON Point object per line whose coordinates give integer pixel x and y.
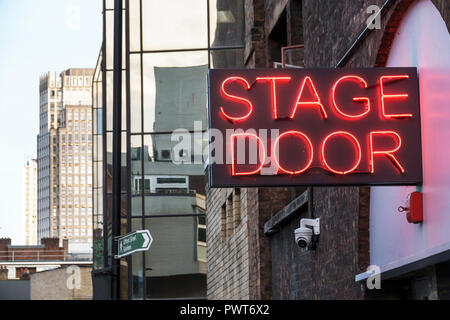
{"type": "Point", "coordinates": [146, 239]}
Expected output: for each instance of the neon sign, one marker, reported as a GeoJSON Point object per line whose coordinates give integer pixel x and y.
{"type": "Point", "coordinates": [315, 127]}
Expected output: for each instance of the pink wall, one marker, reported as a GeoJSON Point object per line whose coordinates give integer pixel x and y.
{"type": "Point", "coordinates": [423, 41]}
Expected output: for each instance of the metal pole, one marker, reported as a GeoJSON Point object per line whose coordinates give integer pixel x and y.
{"type": "Point", "coordinates": [116, 148]}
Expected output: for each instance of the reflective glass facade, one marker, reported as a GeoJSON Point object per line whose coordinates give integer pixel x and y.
{"type": "Point", "coordinates": [168, 48]}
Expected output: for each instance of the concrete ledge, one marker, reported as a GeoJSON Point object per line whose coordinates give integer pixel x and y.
{"type": "Point", "coordinates": [396, 268]}
{"type": "Point", "coordinates": [271, 226]}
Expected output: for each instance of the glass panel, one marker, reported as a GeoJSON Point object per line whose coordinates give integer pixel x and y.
{"type": "Point", "coordinates": [98, 254]}
{"type": "Point", "coordinates": [226, 23]}
{"type": "Point", "coordinates": [230, 58]}
{"type": "Point", "coordinates": [123, 213]}
{"type": "Point", "coordinates": [94, 95]}
{"type": "Point", "coordinates": [95, 173]}
{"type": "Point", "coordinates": [175, 24]}
{"type": "Point", "coordinates": [99, 117]}
{"type": "Point", "coordinates": [202, 234]}
{"type": "Point", "coordinates": [124, 101]}
{"type": "Point", "coordinates": [179, 152]}
{"type": "Point", "coordinates": [99, 139]}
{"type": "Point", "coordinates": [175, 90]}
{"type": "Point", "coordinates": [109, 100]}
{"type": "Point", "coordinates": [135, 30]}
{"type": "Point", "coordinates": [108, 229]}
{"type": "Point", "coordinates": [108, 162]}
{"type": "Point", "coordinates": [136, 174]}
{"type": "Point", "coordinates": [95, 121]}
{"type": "Point", "coordinates": [138, 274]}
{"type": "Point", "coordinates": [173, 267]}
{"type": "Point", "coordinates": [100, 203]}
{"type": "Point", "coordinates": [95, 149]}
{"type": "Point", "coordinates": [123, 176]}
{"type": "Point", "coordinates": [100, 90]}
{"type": "Point", "coordinates": [135, 95]}
{"type": "Point", "coordinates": [99, 178]}
{"type": "Point", "coordinates": [137, 266]}
{"type": "Point", "coordinates": [109, 20]}
{"type": "Point", "coordinates": [110, 4]}
{"type": "Point", "coordinates": [173, 187]}
{"type": "Point", "coordinates": [124, 278]}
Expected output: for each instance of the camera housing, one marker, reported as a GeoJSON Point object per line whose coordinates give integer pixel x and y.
{"type": "Point", "coordinates": [307, 235]}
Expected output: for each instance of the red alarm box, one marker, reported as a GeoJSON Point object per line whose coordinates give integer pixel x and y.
{"type": "Point", "coordinates": [415, 212]}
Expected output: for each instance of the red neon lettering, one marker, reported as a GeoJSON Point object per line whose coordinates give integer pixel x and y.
{"type": "Point", "coordinates": [365, 99]}
{"type": "Point", "coordinates": [274, 92]}
{"type": "Point", "coordinates": [358, 149]}
{"type": "Point", "coordinates": [236, 98]}
{"type": "Point", "coordinates": [392, 96]}
{"type": "Point", "coordinates": [258, 139]}
{"type": "Point", "coordinates": [317, 103]}
{"type": "Point", "coordinates": [388, 153]}
{"type": "Point", "coordinates": [310, 146]}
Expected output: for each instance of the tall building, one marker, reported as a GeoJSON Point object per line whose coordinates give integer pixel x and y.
{"type": "Point", "coordinates": [65, 156]}
{"type": "Point", "coordinates": [30, 193]}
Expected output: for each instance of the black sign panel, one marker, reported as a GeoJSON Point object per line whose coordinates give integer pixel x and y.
{"type": "Point", "coordinates": [281, 127]}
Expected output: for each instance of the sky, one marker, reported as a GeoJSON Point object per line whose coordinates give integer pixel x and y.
{"type": "Point", "coordinates": [36, 36]}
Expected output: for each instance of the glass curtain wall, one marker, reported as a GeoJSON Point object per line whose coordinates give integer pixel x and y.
{"type": "Point", "coordinates": [97, 166]}
{"type": "Point", "coordinates": [168, 48]}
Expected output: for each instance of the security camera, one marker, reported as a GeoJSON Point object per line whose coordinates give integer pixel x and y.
{"type": "Point", "coordinates": [306, 235]}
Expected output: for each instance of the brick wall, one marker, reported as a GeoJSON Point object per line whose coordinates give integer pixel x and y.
{"type": "Point", "coordinates": [50, 250]}
{"type": "Point", "coordinates": [52, 285]}
{"type": "Point", "coordinates": [227, 245]}
{"type": "Point", "coordinates": [329, 271]}
{"type": "Point", "coordinates": [228, 254]}
{"type": "Point", "coordinates": [274, 267]}
{"type": "Point", "coordinates": [4, 243]}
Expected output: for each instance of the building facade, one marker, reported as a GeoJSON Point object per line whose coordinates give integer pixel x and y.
{"type": "Point", "coordinates": [65, 156]}
{"type": "Point", "coordinates": [18, 262]}
{"type": "Point", "coordinates": [30, 193]}
{"type": "Point", "coordinates": [53, 284]}
{"type": "Point", "coordinates": [251, 249]}
{"type": "Point", "coordinates": [164, 101]}
{"type": "Point", "coordinates": [248, 232]}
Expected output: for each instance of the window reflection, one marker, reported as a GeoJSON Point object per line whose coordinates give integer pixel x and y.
{"type": "Point", "coordinates": [175, 90]}
{"type": "Point", "coordinates": [174, 269]}
{"type": "Point", "coordinates": [180, 24]}
{"type": "Point", "coordinates": [164, 168]}
{"type": "Point", "coordinates": [226, 23]}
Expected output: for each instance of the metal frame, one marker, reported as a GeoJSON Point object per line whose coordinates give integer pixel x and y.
{"type": "Point", "coordinates": [117, 100]}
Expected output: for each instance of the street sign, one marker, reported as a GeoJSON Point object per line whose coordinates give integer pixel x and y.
{"type": "Point", "coordinates": [139, 240]}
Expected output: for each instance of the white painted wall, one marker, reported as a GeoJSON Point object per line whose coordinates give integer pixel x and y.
{"type": "Point", "coordinates": [424, 42]}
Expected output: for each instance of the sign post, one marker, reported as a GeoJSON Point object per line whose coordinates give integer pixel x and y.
{"type": "Point", "coordinates": [139, 240]}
